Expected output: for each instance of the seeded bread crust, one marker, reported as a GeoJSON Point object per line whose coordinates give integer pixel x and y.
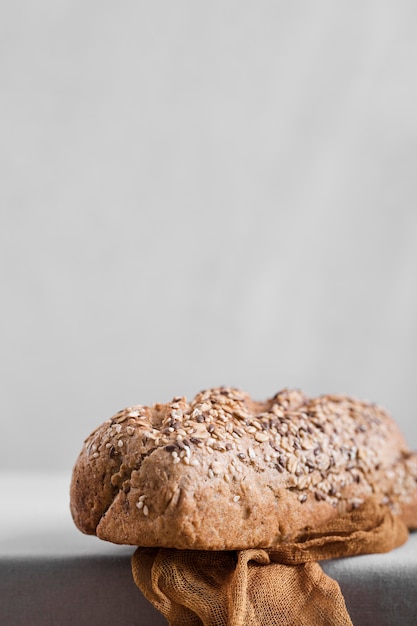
{"type": "Point", "coordinates": [223, 472]}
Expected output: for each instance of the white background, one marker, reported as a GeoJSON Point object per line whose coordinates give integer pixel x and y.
{"type": "Point", "coordinates": [202, 193]}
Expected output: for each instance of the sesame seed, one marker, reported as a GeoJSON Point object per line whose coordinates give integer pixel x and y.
{"type": "Point", "coordinates": [286, 445]}
{"type": "Point", "coordinates": [302, 482]}
{"type": "Point", "coordinates": [133, 414]}
{"type": "Point", "coordinates": [140, 504]}
{"type": "Point", "coordinates": [236, 498]}
{"type": "Point", "coordinates": [120, 443]}
{"type": "Point", "coordinates": [251, 453]}
{"type": "Point", "coordinates": [292, 464]}
{"type": "Point", "coordinates": [306, 444]}
{"type": "Point", "coordinates": [145, 509]}
{"type": "Point", "coordinates": [261, 437]}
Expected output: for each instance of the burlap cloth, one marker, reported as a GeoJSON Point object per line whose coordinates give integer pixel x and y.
{"type": "Point", "coordinates": [285, 587]}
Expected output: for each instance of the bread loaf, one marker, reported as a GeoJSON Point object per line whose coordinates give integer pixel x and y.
{"type": "Point", "coordinates": [224, 472]}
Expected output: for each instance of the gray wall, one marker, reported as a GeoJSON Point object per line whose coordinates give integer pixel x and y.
{"type": "Point", "coordinates": [203, 193]}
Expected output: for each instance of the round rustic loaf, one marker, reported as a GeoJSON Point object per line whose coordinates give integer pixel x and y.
{"type": "Point", "coordinates": [224, 472]}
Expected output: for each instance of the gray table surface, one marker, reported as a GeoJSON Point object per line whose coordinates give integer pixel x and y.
{"type": "Point", "coordinates": [51, 574]}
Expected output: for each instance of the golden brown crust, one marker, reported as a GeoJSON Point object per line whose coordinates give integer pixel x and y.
{"type": "Point", "coordinates": [224, 472]}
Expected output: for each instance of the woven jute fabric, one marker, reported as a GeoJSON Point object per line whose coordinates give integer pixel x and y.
{"type": "Point", "coordinates": [283, 587]}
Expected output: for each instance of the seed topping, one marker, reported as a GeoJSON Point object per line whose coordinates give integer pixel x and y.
{"type": "Point", "coordinates": [317, 447]}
